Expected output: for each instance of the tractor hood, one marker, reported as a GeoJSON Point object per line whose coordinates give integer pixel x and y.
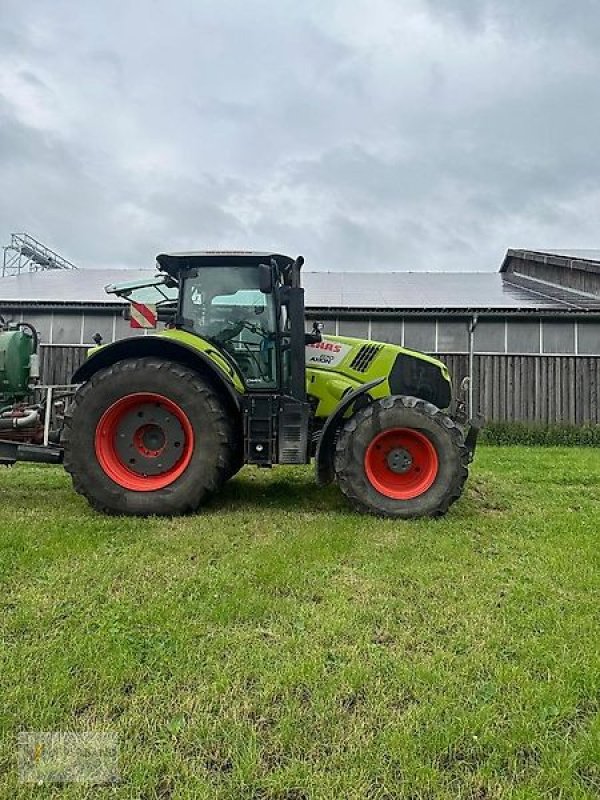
{"type": "Point", "coordinates": [342, 363]}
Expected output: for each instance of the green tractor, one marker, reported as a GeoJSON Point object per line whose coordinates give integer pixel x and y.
{"type": "Point", "coordinates": [160, 422]}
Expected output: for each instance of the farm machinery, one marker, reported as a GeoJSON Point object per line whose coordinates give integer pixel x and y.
{"type": "Point", "coordinates": [155, 424]}
{"type": "Point", "coordinates": [25, 416]}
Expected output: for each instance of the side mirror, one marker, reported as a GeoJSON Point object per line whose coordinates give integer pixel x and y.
{"type": "Point", "coordinates": [317, 334]}
{"type": "Point", "coordinates": [265, 278]}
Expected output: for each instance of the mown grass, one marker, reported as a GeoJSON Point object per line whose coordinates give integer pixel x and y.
{"type": "Point", "coordinates": [280, 647]}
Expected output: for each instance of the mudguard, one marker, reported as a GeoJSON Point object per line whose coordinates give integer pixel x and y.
{"type": "Point", "coordinates": [324, 456]}
{"type": "Point", "coordinates": [160, 347]}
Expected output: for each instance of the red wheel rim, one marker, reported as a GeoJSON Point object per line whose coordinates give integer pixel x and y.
{"type": "Point", "coordinates": [144, 442]}
{"type": "Point", "coordinates": [401, 463]}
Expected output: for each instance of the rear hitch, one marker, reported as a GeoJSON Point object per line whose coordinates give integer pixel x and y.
{"type": "Point", "coordinates": [11, 452]}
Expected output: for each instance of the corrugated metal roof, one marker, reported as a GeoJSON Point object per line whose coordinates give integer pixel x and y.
{"type": "Point", "coordinates": [429, 290]}
{"type": "Point", "coordinates": [340, 291]}
{"type": "Point", "coordinates": [77, 287]}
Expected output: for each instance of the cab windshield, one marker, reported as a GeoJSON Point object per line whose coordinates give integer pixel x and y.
{"type": "Point", "coordinates": [225, 306]}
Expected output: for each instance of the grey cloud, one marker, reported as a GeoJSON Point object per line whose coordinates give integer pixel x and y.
{"type": "Point", "coordinates": [117, 222]}
{"type": "Point", "coordinates": [533, 19]}
{"type": "Point", "coordinates": [363, 134]}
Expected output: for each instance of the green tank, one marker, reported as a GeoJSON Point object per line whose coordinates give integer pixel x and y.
{"type": "Point", "coordinates": [16, 350]}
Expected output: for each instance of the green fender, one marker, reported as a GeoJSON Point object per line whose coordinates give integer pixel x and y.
{"type": "Point", "coordinates": [160, 347]}
{"type": "Point", "coordinates": [324, 456]}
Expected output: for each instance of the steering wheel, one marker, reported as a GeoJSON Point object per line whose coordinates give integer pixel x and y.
{"type": "Point", "coordinates": [223, 331]}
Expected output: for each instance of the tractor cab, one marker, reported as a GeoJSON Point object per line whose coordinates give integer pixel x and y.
{"type": "Point", "coordinates": [250, 306]}
{"type": "Point", "coordinates": [239, 302]}
{"type": "Point", "coordinates": [243, 304]}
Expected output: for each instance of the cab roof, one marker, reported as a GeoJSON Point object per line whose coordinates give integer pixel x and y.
{"type": "Point", "coordinates": [173, 263]}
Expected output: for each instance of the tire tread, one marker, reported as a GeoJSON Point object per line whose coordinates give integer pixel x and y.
{"type": "Point", "coordinates": [176, 372]}
{"type": "Point", "coordinates": [350, 472]}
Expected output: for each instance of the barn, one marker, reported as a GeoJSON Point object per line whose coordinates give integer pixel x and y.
{"type": "Point", "coordinates": [528, 334]}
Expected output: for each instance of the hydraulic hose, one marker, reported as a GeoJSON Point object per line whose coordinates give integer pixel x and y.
{"type": "Point", "coordinates": [33, 332]}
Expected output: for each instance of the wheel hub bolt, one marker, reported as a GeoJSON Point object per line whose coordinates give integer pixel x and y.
{"type": "Point", "coordinates": [399, 460]}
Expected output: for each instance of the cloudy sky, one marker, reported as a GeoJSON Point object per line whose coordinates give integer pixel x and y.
{"type": "Point", "coordinates": [364, 134]}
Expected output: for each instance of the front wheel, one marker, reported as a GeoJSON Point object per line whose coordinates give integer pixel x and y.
{"type": "Point", "coordinates": [401, 457]}
{"type": "Point", "coordinates": [147, 436]}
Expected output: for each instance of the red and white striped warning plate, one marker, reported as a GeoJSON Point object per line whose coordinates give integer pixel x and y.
{"type": "Point", "coordinates": [143, 315]}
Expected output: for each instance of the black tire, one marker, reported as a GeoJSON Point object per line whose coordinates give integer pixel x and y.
{"type": "Point", "coordinates": [236, 455]}
{"type": "Point", "coordinates": [209, 455]}
{"type": "Point", "coordinates": [400, 412]}
{"type": "Point", "coordinates": [235, 465]}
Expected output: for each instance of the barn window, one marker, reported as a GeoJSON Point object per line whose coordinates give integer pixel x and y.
{"type": "Point", "coordinates": [358, 328]}
{"type": "Point", "coordinates": [523, 336]}
{"type": "Point", "coordinates": [97, 323]}
{"type": "Point", "coordinates": [419, 334]}
{"type": "Point", "coordinates": [489, 336]}
{"type": "Point", "coordinates": [387, 330]}
{"type": "Point", "coordinates": [558, 336]}
{"type": "Point", "coordinates": [588, 338]}
{"type": "Point", "coordinates": [41, 322]}
{"type": "Point", "coordinates": [66, 328]}
{"type": "Point", "coordinates": [453, 336]}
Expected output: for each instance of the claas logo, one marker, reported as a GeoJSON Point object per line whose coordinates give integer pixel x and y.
{"type": "Point", "coordinates": [331, 347]}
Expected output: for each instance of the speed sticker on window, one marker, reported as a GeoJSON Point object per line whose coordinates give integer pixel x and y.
{"type": "Point", "coordinates": [326, 353]}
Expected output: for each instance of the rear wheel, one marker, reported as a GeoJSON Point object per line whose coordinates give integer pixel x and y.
{"type": "Point", "coordinates": [147, 436]}
{"type": "Point", "coordinates": [401, 457]}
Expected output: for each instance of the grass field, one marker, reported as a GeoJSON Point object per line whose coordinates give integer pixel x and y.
{"type": "Point", "coordinates": [280, 647]}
